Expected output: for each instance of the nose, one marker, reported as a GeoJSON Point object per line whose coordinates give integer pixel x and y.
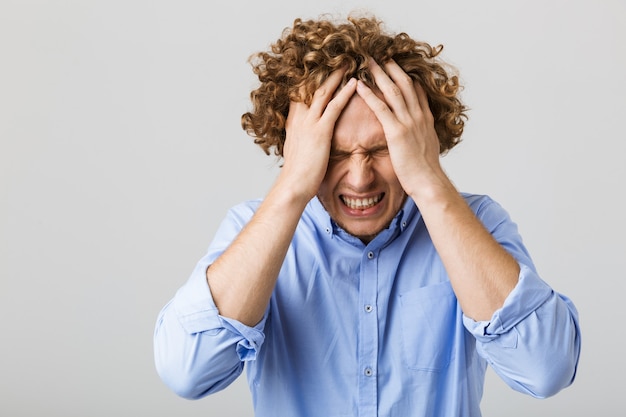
{"type": "Point", "coordinates": [360, 173]}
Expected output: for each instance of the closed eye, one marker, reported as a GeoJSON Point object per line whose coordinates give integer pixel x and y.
{"type": "Point", "coordinates": [337, 156]}
{"type": "Point", "coordinates": [380, 151]}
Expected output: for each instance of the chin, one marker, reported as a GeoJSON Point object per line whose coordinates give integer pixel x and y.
{"type": "Point", "coordinates": [365, 236]}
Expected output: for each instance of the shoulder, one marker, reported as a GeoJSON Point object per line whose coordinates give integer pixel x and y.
{"type": "Point", "coordinates": [480, 202]}
{"type": "Point", "coordinates": [476, 200]}
{"type": "Point", "coordinates": [235, 219]}
{"type": "Point", "coordinates": [244, 211]}
{"type": "Point", "coordinates": [486, 208]}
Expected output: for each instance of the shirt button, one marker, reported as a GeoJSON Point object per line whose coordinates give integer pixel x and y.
{"type": "Point", "coordinates": [368, 308]}
{"type": "Point", "coordinates": [368, 372]}
{"type": "Point", "coordinates": [328, 230]}
{"type": "Point", "coordinates": [370, 254]}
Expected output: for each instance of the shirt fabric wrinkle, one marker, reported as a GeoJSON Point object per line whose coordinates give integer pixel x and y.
{"type": "Point", "coordinates": [392, 342]}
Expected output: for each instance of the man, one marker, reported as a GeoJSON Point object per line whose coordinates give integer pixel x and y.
{"type": "Point", "coordinates": [364, 283]}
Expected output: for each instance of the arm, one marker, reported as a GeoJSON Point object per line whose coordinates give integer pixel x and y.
{"type": "Point", "coordinates": [206, 332]}
{"type": "Point", "coordinates": [481, 272]}
{"type": "Point", "coordinates": [526, 331]}
{"type": "Point", "coordinates": [533, 341]}
{"type": "Point", "coordinates": [243, 278]}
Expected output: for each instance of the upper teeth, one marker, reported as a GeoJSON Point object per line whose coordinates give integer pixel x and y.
{"type": "Point", "coordinates": [360, 203]}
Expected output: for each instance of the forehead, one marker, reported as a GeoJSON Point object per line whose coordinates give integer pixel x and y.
{"type": "Point", "coordinates": [357, 127]}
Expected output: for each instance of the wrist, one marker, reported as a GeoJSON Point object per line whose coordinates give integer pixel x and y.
{"type": "Point", "coordinates": [290, 194]}
{"type": "Point", "coordinates": [430, 189]}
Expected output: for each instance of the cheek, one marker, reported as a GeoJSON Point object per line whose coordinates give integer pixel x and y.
{"type": "Point", "coordinates": [331, 178]}
{"type": "Point", "coordinates": [325, 193]}
{"type": "Point", "coordinates": [386, 172]}
{"type": "Point", "coordinates": [388, 175]}
{"type": "Point", "coordinates": [386, 165]}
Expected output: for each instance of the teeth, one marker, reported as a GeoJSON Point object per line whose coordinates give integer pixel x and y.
{"type": "Point", "coordinates": [360, 203]}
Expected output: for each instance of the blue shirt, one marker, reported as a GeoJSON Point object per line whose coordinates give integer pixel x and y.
{"type": "Point", "coordinates": [368, 330]}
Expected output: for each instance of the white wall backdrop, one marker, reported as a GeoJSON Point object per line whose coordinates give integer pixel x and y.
{"type": "Point", "coordinates": [121, 150]}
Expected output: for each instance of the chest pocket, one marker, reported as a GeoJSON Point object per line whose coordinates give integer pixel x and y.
{"type": "Point", "coordinates": [429, 318]}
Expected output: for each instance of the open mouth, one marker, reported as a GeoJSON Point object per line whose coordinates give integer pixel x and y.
{"type": "Point", "coordinates": [361, 203]}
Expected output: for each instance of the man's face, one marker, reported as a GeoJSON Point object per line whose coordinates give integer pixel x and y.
{"type": "Point", "coordinates": [360, 190]}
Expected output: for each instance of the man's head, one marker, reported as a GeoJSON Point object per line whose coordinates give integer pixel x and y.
{"type": "Point", "coordinates": [306, 54]}
{"type": "Point", "coordinates": [360, 190]}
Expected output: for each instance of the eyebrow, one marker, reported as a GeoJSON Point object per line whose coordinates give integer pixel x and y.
{"type": "Point", "coordinates": [341, 152]}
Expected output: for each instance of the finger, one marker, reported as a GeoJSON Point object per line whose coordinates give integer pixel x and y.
{"type": "Point", "coordinates": [338, 103]}
{"type": "Point", "coordinates": [393, 94]}
{"type": "Point", "coordinates": [325, 91]}
{"type": "Point", "coordinates": [423, 100]}
{"type": "Point", "coordinates": [295, 108]}
{"type": "Point", "coordinates": [404, 82]}
{"type": "Point", "coordinates": [378, 106]}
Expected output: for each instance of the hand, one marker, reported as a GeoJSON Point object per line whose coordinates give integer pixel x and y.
{"type": "Point", "coordinates": [408, 123]}
{"type": "Point", "coordinates": [480, 283]}
{"type": "Point", "coordinates": [309, 130]}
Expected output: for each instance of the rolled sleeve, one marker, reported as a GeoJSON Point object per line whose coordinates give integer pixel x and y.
{"type": "Point", "coordinates": [529, 293]}
{"type": "Point", "coordinates": [533, 341]}
{"type": "Point", "coordinates": [197, 313]}
{"type": "Point", "coordinates": [197, 351]}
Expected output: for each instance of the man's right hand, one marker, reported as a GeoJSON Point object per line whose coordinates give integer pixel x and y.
{"type": "Point", "coordinates": [309, 130]}
{"type": "Point", "coordinates": [243, 277]}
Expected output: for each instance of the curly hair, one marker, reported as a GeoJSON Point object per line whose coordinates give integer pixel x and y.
{"type": "Point", "coordinates": [306, 54]}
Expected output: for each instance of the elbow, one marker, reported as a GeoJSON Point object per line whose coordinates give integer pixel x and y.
{"type": "Point", "coordinates": [194, 364]}
{"type": "Point", "coordinates": [194, 381]}
{"type": "Point", "coordinates": [192, 386]}
{"type": "Point", "coordinates": [558, 372]}
{"type": "Point", "coordinates": [542, 373]}
{"type": "Point", "coordinates": [560, 366]}
{"type": "Point", "coordinates": [170, 365]}
{"type": "Point", "coordinates": [176, 367]}
{"type": "Point", "coordinates": [183, 387]}
{"type": "Point", "coordinates": [178, 379]}
{"type": "Point", "coordinates": [551, 382]}
{"type": "Point", "coordinates": [539, 356]}
{"type": "Point", "coordinates": [542, 382]}
{"type": "Point", "coordinates": [189, 377]}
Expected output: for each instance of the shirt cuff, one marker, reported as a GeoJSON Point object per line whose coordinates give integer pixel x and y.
{"type": "Point", "coordinates": [197, 313]}
{"type": "Point", "coordinates": [528, 295]}
{"type": "Point", "coordinates": [251, 337]}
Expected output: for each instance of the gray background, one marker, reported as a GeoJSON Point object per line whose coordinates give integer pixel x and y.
{"type": "Point", "coordinates": [121, 150]}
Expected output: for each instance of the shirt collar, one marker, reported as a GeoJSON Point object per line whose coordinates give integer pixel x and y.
{"type": "Point", "coordinates": [399, 223]}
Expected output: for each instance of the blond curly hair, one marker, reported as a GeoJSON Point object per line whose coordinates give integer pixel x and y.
{"type": "Point", "coordinates": [307, 53]}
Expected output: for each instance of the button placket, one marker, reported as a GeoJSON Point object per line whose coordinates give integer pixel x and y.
{"type": "Point", "coordinates": [368, 333]}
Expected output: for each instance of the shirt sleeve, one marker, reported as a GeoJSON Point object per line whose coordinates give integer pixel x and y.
{"type": "Point", "coordinates": [533, 341]}
{"type": "Point", "coordinates": [198, 351]}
